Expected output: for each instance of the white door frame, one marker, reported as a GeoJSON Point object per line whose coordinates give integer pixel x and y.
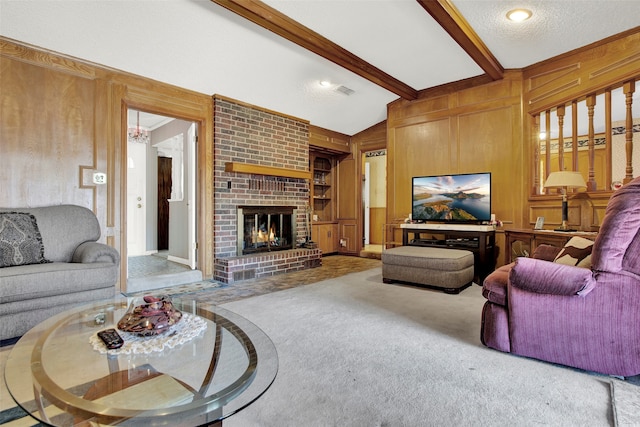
{"type": "Point", "coordinates": [136, 203]}
{"type": "Point", "coordinates": [191, 146]}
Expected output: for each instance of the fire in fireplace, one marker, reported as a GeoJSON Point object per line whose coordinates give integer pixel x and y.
{"type": "Point", "coordinates": [266, 228]}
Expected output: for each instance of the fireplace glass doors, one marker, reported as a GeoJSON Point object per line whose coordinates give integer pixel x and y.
{"type": "Point", "coordinates": [266, 228]}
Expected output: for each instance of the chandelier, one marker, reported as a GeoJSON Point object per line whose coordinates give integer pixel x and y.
{"type": "Point", "coordinates": [136, 134]}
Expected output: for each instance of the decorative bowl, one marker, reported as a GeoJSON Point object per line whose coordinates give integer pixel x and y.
{"type": "Point", "coordinates": [151, 316]}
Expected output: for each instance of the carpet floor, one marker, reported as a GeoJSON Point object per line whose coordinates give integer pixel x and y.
{"type": "Point", "coordinates": [356, 352]}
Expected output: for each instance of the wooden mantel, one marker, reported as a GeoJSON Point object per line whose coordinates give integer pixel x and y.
{"type": "Point", "coordinates": [265, 170]}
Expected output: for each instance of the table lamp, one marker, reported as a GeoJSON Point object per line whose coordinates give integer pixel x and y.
{"type": "Point", "coordinates": [565, 180]}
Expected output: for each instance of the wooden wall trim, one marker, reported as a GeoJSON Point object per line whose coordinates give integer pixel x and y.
{"type": "Point", "coordinates": [43, 58]}
{"type": "Point", "coordinates": [68, 64]}
{"type": "Point", "coordinates": [502, 93]}
{"type": "Point", "coordinates": [250, 169]}
{"type": "Point", "coordinates": [329, 141]}
{"type": "Point", "coordinates": [586, 211]}
{"type": "Point", "coordinates": [584, 72]}
{"type": "Point", "coordinates": [582, 49]}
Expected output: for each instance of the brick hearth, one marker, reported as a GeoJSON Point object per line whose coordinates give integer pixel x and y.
{"type": "Point", "coordinates": [246, 134]}
{"type": "Point", "coordinates": [244, 267]}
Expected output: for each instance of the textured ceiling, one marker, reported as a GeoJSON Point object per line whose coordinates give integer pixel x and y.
{"type": "Point", "coordinates": [198, 45]}
{"type": "Point", "coordinates": [556, 26]}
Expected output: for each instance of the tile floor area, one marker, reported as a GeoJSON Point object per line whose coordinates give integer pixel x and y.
{"type": "Point", "coordinates": [371, 251]}
{"type": "Point", "coordinates": [152, 265]}
{"type": "Point", "coordinates": [152, 272]}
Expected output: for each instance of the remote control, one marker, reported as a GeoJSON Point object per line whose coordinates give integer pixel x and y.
{"type": "Point", "coordinates": [111, 338]}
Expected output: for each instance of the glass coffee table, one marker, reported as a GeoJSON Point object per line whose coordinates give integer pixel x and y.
{"type": "Point", "coordinates": [61, 376]}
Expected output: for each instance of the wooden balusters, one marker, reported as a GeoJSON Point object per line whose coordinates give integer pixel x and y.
{"type": "Point", "coordinates": [536, 154]}
{"type": "Point", "coordinates": [629, 88]}
{"type": "Point", "coordinates": [601, 157]}
{"type": "Point", "coordinates": [574, 135]}
{"type": "Point", "coordinates": [560, 112]}
{"type": "Point", "coordinates": [591, 180]}
{"type": "Point", "coordinates": [608, 133]}
{"type": "Point", "coordinates": [547, 163]}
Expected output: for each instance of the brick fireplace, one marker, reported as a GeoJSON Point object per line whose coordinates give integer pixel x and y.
{"type": "Point", "coordinates": [248, 135]}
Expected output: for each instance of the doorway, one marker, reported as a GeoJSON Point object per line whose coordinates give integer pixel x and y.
{"type": "Point", "coordinates": [374, 200]}
{"type": "Point", "coordinates": [161, 223]}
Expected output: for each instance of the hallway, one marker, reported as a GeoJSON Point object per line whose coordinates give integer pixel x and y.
{"type": "Point", "coordinates": [147, 273]}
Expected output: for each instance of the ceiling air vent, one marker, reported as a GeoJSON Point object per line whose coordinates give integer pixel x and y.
{"type": "Point", "coordinates": [345, 90]}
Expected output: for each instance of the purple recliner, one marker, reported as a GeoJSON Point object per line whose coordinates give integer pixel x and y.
{"type": "Point", "coordinates": [574, 316]}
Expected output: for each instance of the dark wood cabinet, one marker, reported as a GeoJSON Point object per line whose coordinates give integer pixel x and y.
{"type": "Point", "coordinates": [524, 242]}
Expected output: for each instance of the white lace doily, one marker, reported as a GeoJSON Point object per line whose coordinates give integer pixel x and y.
{"type": "Point", "coordinates": [189, 327]}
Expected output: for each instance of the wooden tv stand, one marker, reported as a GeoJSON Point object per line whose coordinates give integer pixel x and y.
{"type": "Point", "coordinates": [479, 239]}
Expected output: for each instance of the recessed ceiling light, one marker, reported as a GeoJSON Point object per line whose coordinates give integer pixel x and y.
{"type": "Point", "coordinates": [325, 83]}
{"type": "Point", "coordinates": [519, 15]}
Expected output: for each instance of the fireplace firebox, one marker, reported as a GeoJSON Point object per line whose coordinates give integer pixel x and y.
{"type": "Point", "coordinates": [266, 228]}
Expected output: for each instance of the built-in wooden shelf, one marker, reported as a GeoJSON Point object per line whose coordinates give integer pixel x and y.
{"type": "Point", "coordinates": [265, 170]}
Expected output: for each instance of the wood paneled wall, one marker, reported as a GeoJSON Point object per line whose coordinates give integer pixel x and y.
{"type": "Point", "coordinates": [326, 140]}
{"type": "Point", "coordinates": [573, 76]}
{"type": "Point", "coordinates": [476, 129]}
{"type": "Point", "coordinates": [581, 72]}
{"type": "Point", "coordinates": [47, 137]}
{"type": "Point", "coordinates": [62, 119]}
{"type": "Point", "coordinates": [476, 125]}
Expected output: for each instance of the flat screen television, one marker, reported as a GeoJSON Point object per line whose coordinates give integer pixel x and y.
{"type": "Point", "coordinates": [461, 198]}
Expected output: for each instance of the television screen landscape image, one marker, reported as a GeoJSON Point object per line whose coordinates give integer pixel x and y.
{"type": "Point", "coordinates": [461, 198]}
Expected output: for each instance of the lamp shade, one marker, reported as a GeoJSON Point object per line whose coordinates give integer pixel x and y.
{"type": "Point", "coordinates": [565, 179]}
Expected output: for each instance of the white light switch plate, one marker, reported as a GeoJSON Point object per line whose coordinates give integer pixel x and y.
{"type": "Point", "coordinates": [99, 178]}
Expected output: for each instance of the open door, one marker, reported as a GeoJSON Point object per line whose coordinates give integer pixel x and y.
{"type": "Point", "coordinates": [136, 198]}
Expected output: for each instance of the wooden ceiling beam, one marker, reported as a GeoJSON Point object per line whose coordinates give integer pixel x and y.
{"type": "Point", "coordinates": [459, 29]}
{"type": "Point", "coordinates": [278, 23]}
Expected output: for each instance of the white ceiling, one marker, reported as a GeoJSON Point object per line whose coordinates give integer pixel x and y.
{"type": "Point", "coordinates": [198, 45]}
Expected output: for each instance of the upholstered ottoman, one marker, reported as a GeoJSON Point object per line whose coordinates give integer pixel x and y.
{"type": "Point", "coordinates": [448, 269]}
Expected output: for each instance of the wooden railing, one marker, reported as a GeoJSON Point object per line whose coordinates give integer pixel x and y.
{"type": "Point", "coordinates": [584, 150]}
